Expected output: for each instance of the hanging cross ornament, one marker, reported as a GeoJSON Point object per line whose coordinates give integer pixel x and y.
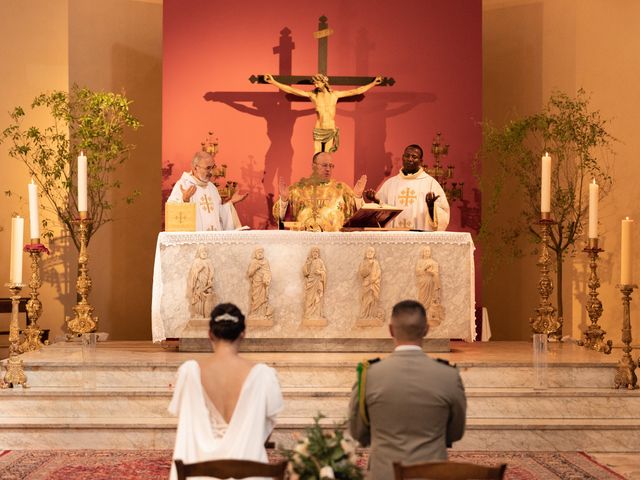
{"type": "Point", "coordinates": [324, 98]}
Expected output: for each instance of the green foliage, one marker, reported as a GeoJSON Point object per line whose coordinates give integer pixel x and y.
{"type": "Point", "coordinates": [578, 142]}
{"type": "Point", "coordinates": [81, 120]}
{"type": "Point", "coordinates": [321, 451]}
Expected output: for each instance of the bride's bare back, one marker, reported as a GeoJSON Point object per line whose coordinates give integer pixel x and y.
{"type": "Point", "coordinates": [222, 380]}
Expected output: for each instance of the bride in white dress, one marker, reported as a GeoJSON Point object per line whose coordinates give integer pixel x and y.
{"type": "Point", "coordinates": [226, 405]}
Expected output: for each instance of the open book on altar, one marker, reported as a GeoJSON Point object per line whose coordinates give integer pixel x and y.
{"type": "Point", "coordinates": [371, 216]}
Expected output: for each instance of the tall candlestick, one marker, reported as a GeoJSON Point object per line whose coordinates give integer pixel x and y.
{"type": "Point", "coordinates": [593, 209]}
{"type": "Point", "coordinates": [17, 238]}
{"type": "Point", "coordinates": [545, 194]}
{"type": "Point", "coordinates": [82, 182]}
{"type": "Point", "coordinates": [625, 252]}
{"type": "Point", "coordinates": [34, 221]}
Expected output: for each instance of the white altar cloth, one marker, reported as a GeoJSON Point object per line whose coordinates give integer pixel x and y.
{"type": "Point", "coordinates": [342, 252]}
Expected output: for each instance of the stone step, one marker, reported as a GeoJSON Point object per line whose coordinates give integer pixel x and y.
{"type": "Point", "coordinates": [317, 375]}
{"type": "Point", "coordinates": [490, 365]}
{"type": "Point", "coordinates": [306, 402]}
{"type": "Point", "coordinates": [539, 434]}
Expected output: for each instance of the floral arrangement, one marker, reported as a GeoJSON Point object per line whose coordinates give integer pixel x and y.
{"type": "Point", "coordinates": [323, 455]}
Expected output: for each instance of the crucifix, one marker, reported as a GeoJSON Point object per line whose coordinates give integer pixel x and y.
{"type": "Point", "coordinates": [325, 133]}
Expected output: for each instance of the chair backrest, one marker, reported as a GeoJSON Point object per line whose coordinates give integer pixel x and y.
{"type": "Point", "coordinates": [230, 469]}
{"type": "Point", "coordinates": [448, 471]}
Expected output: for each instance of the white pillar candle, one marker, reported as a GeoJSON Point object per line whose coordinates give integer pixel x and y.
{"type": "Point", "coordinates": [82, 182]}
{"type": "Point", "coordinates": [545, 194]}
{"type": "Point", "coordinates": [625, 252]}
{"type": "Point", "coordinates": [34, 220]}
{"type": "Point", "coordinates": [17, 237]}
{"type": "Point", "coordinates": [593, 209]}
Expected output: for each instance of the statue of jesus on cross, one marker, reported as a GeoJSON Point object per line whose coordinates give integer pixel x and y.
{"type": "Point", "coordinates": [324, 99]}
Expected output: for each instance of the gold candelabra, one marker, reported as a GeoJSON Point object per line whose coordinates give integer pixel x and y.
{"type": "Point", "coordinates": [211, 145]}
{"type": "Point", "coordinates": [14, 370]}
{"type": "Point", "coordinates": [83, 321]}
{"type": "Point", "coordinates": [228, 190]}
{"type": "Point", "coordinates": [546, 320]}
{"type": "Point", "coordinates": [444, 174]}
{"type": "Point", "coordinates": [33, 333]}
{"type": "Point", "coordinates": [593, 336]}
{"type": "Point", "coordinates": [625, 374]}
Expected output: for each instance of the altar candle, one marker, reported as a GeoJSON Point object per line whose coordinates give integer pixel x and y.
{"type": "Point", "coordinates": [82, 182]}
{"type": "Point", "coordinates": [625, 252]}
{"type": "Point", "coordinates": [545, 194]}
{"type": "Point", "coordinates": [593, 209]}
{"type": "Point", "coordinates": [34, 221]}
{"type": "Point", "coordinates": [17, 237]}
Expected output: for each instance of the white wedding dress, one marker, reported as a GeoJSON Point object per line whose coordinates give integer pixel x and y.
{"type": "Point", "coordinates": [204, 435]}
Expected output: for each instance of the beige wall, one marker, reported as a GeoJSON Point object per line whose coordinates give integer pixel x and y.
{"type": "Point", "coordinates": [116, 45]}
{"type": "Point", "coordinates": [112, 45]}
{"type": "Point", "coordinates": [33, 41]}
{"type": "Point", "coordinates": [531, 48]}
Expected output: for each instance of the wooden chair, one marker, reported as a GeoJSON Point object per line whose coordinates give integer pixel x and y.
{"type": "Point", "coordinates": [230, 469]}
{"type": "Point", "coordinates": [448, 471]}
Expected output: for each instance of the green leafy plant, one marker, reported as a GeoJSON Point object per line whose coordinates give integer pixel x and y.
{"type": "Point", "coordinates": [578, 142]}
{"type": "Point", "coordinates": [323, 455]}
{"type": "Point", "coordinates": [81, 120]}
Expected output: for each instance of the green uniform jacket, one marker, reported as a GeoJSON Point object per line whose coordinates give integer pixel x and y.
{"type": "Point", "coordinates": [416, 407]}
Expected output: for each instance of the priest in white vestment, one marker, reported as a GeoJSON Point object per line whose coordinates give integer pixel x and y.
{"type": "Point", "coordinates": [195, 187]}
{"type": "Point", "coordinates": [418, 193]}
{"type": "Point", "coordinates": [226, 405]}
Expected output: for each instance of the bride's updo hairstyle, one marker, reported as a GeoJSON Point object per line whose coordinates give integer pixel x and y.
{"type": "Point", "coordinates": [227, 322]}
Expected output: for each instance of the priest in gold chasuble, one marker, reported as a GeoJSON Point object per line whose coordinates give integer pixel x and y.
{"type": "Point", "coordinates": [318, 203]}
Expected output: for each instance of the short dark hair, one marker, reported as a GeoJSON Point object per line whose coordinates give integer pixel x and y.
{"type": "Point", "coordinates": [226, 329]}
{"type": "Point", "coordinates": [417, 147]}
{"type": "Point", "coordinates": [410, 330]}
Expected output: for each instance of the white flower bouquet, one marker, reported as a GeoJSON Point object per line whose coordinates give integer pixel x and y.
{"type": "Point", "coordinates": [323, 455]}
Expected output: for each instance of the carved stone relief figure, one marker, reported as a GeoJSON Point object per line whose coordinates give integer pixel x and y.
{"type": "Point", "coordinates": [259, 275]}
{"type": "Point", "coordinates": [428, 285]}
{"type": "Point", "coordinates": [315, 280]}
{"type": "Point", "coordinates": [371, 314]}
{"type": "Point", "coordinates": [200, 291]}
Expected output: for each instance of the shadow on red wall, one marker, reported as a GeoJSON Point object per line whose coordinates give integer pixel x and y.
{"type": "Point", "coordinates": [211, 48]}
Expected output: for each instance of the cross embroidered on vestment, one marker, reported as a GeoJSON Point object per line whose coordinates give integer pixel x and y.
{"type": "Point", "coordinates": [205, 203]}
{"type": "Point", "coordinates": [407, 196]}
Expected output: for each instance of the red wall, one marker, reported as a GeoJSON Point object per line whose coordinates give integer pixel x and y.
{"type": "Point", "coordinates": [431, 47]}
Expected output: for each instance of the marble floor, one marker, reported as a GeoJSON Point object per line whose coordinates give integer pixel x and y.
{"type": "Point", "coordinates": [625, 464]}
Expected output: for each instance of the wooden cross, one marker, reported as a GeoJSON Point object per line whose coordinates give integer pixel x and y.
{"type": "Point", "coordinates": [323, 46]}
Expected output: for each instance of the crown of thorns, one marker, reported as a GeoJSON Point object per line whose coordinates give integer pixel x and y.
{"type": "Point", "coordinates": [320, 78]}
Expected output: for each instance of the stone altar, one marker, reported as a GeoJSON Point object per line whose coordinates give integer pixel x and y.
{"type": "Point", "coordinates": [231, 252]}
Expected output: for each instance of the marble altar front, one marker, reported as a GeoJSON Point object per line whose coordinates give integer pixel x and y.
{"type": "Point", "coordinates": [219, 262]}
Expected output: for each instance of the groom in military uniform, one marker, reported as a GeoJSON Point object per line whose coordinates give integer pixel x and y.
{"type": "Point", "coordinates": [408, 407]}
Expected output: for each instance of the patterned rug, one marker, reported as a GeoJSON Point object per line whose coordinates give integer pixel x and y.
{"type": "Point", "coordinates": [154, 464]}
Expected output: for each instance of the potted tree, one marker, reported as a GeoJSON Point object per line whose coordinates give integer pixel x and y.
{"type": "Point", "coordinates": [576, 137]}
{"type": "Point", "coordinates": [81, 121]}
